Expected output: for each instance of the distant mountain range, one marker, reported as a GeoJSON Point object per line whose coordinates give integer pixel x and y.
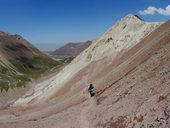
{"type": "Point", "coordinates": [72, 49]}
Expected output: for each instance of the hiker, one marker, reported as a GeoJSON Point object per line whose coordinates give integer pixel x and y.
{"type": "Point", "coordinates": [91, 90]}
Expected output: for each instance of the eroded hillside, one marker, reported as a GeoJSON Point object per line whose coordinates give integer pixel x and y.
{"type": "Point", "coordinates": [122, 36]}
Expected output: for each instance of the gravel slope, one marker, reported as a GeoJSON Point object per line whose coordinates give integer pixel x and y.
{"type": "Point", "coordinates": [132, 92]}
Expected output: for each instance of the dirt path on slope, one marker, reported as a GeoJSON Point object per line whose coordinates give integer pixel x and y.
{"type": "Point", "coordinates": [85, 123]}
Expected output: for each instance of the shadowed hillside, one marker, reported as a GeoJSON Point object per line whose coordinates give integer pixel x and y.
{"type": "Point", "coordinates": [20, 61]}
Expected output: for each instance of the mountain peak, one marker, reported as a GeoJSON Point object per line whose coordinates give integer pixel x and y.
{"type": "Point", "coordinates": [129, 21]}
{"type": "Point", "coordinates": [133, 17]}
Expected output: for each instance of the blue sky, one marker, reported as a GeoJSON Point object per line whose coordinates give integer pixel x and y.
{"type": "Point", "coordinates": [49, 24]}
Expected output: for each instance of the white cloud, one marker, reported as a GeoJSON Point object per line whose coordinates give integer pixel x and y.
{"type": "Point", "coordinates": [149, 11]}
{"type": "Point", "coordinates": [153, 10]}
{"type": "Point", "coordinates": [165, 11]}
